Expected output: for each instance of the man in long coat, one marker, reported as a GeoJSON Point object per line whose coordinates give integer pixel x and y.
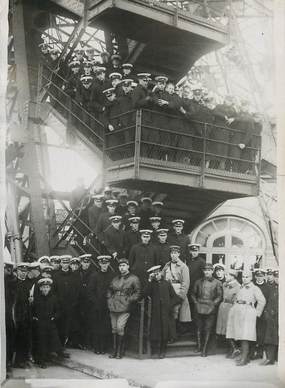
{"type": "Point", "coordinates": [163, 299]}
{"type": "Point", "coordinates": [241, 325]}
{"type": "Point", "coordinates": [177, 273]}
{"type": "Point", "coordinates": [97, 295]}
{"type": "Point", "coordinates": [270, 313]}
{"type": "Point", "coordinates": [143, 256]}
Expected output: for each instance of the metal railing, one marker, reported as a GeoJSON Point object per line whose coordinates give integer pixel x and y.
{"type": "Point", "coordinates": [182, 143]}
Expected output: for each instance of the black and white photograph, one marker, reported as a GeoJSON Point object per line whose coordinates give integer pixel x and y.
{"type": "Point", "coordinates": [142, 179]}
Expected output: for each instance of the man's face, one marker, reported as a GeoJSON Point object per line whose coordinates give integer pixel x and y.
{"type": "Point", "coordinates": [135, 226]}
{"type": "Point", "coordinates": [21, 274]}
{"type": "Point", "coordinates": [197, 96]}
{"type": "Point", "coordinates": [208, 273]}
{"type": "Point", "coordinates": [55, 265]}
{"type": "Point", "coordinates": [46, 274]}
{"type": "Point", "coordinates": [65, 266]}
{"type": "Point", "coordinates": [115, 82]}
{"type": "Point", "coordinates": [45, 289]}
{"type": "Point", "coordinates": [155, 225]}
{"type": "Point", "coordinates": [260, 278]}
{"type": "Point", "coordinates": [132, 209]}
{"type": "Point", "coordinates": [34, 273]}
{"type": "Point", "coordinates": [126, 71]}
{"type": "Point", "coordinates": [145, 239]}
{"type": "Point", "coordinates": [85, 265]}
{"type": "Point", "coordinates": [246, 278]}
{"type": "Point", "coordinates": [220, 273]}
{"type": "Point", "coordinates": [194, 253]}
{"type": "Point", "coordinates": [160, 86]}
{"type": "Point", "coordinates": [162, 238]}
{"type": "Point", "coordinates": [74, 267]}
{"type": "Point", "coordinates": [143, 82]}
{"type": "Point", "coordinates": [111, 208]}
{"type": "Point", "coordinates": [104, 266]}
{"type": "Point", "coordinates": [86, 85]}
{"type": "Point", "coordinates": [111, 97]}
{"type": "Point", "coordinates": [158, 275]}
{"type": "Point", "coordinates": [178, 229]}
{"type": "Point", "coordinates": [174, 256]}
{"type": "Point", "coordinates": [116, 224]}
{"type": "Point", "coordinates": [115, 62]}
{"type": "Point", "coordinates": [170, 88]}
{"type": "Point", "coordinates": [270, 278]}
{"type": "Point", "coordinates": [126, 88]}
{"type": "Point", "coordinates": [276, 279]}
{"type": "Point", "coordinates": [75, 70]}
{"type": "Point", "coordinates": [98, 203]}
{"type": "Point", "coordinates": [124, 268]}
{"type": "Point", "coordinates": [101, 76]}
{"type": "Point", "coordinates": [8, 270]}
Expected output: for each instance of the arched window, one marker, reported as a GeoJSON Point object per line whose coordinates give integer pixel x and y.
{"type": "Point", "coordinates": [230, 240]}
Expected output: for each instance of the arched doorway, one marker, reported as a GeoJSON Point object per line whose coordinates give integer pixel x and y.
{"type": "Point", "coordinates": [230, 240]}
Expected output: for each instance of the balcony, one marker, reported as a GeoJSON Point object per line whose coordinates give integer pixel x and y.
{"type": "Point", "coordinates": [153, 151]}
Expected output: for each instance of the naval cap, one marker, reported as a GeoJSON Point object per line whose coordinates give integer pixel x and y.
{"type": "Point", "coordinates": [153, 269]}
{"type": "Point", "coordinates": [45, 282]}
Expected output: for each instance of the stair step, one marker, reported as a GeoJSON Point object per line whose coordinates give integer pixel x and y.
{"type": "Point", "coordinates": [182, 343]}
{"type": "Point", "coordinates": [181, 352]}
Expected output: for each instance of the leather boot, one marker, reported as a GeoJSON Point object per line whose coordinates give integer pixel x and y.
{"type": "Point", "coordinates": [233, 350]}
{"type": "Point", "coordinates": [198, 350]}
{"type": "Point", "coordinates": [120, 346]}
{"type": "Point", "coordinates": [244, 353]}
{"type": "Point", "coordinates": [114, 353]}
{"type": "Point", "coordinates": [204, 350]}
{"type": "Point", "coordinates": [162, 350]}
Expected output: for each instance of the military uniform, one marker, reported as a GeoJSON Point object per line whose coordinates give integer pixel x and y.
{"type": "Point", "coordinates": [271, 312]}
{"type": "Point", "coordinates": [97, 295]}
{"type": "Point", "coordinates": [132, 236]}
{"type": "Point", "coordinates": [10, 284]}
{"type": "Point", "coordinates": [181, 239]}
{"type": "Point", "coordinates": [114, 238]}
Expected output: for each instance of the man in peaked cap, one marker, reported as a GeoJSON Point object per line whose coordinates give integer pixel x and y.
{"type": "Point", "coordinates": [155, 223]}
{"type": "Point", "coordinates": [162, 246]}
{"type": "Point", "coordinates": [100, 317]}
{"type": "Point", "coordinates": [115, 66]}
{"type": "Point", "coordinates": [132, 211]}
{"type": "Point", "coordinates": [132, 234]}
{"type": "Point", "coordinates": [219, 272]}
{"type": "Point", "coordinates": [114, 237]}
{"type": "Point", "coordinates": [125, 105]}
{"type": "Point", "coordinates": [123, 292]}
{"type": "Point", "coordinates": [145, 212]}
{"type": "Point", "coordinates": [207, 295]}
{"type": "Point", "coordinates": [177, 237]}
{"type": "Point", "coordinates": [55, 262]}
{"type": "Point", "coordinates": [143, 256]}
{"type": "Point", "coordinates": [141, 95]}
{"type": "Point", "coordinates": [95, 210]}
{"type": "Point", "coordinates": [97, 96]}
{"type": "Point", "coordinates": [128, 70]}
{"type": "Point", "coordinates": [22, 316]}
{"type": "Point", "coordinates": [177, 273]}
{"type": "Point", "coordinates": [44, 260]}
{"type": "Point", "coordinates": [83, 94]}
{"type": "Point", "coordinates": [104, 218]}
{"type": "Point", "coordinates": [195, 263]}
{"type": "Point", "coordinates": [163, 298]}
{"type": "Point", "coordinates": [122, 207]}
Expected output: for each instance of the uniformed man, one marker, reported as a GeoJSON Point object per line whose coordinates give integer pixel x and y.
{"type": "Point", "coordinates": [143, 256]}
{"type": "Point", "coordinates": [104, 218]}
{"type": "Point", "coordinates": [97, 294]}
{"type": "Point", "coordinates": [10, 284]}
{"type": "Point", "coordinates": [44, 260]}
{"type": "Point", "coordinates": [163, 299]}
{"type": "Point", "coordinates": [128, 70]}
{"type": "Point", "coordinates": [123, 292]}
{"type": "Point", "coordinates": [257, 349]}
{"type": "Point", "coordinates": [72, 80]}
{"type": "Point", "coordinates": [83, 97]}
{"type": "Point", "coordinates": [155, 222]}
{"type": "Point", "coordinates": [145, 212]}
{"type": "Point", "coordinates": [122, 207]}
{"type": "Point", "coordinates": [132, 234]}
{"type": "Point", "coordinates": [271, 312]}
{"type": "Point", "coordinates": [34, 273]}
{"type": "Point", "coordinates": [177, 273]}
{"type": "Point", "coordinates": [108, 194]}
{"type": "Point", "coordinates": [115, 66]}
{"type": "Point", "coordinates": [177, 237]}
{"type": "Point", "coordinates": [105, 56]}
{"type": "Point", "coordinates": [114, 237]}
{"type": "Point", "coordinates": [22, 317]}
{"type": "Point", "coordinates": [162, 247]}
{"type": "Point", "coordinates": [157, 207]}
{"type": "Point", "coordinates": [219, 272]}
{"type": "Point", "coordinates": [66, 288]}
{"type": "Point", "coordinates": [90, 54]}
{"type": "Point", "coordinates": [97, 97]}
{"type": "Point", "coordinates": [241, 325]}
{"type": "Point", "coordinates": [110, 119]}
{"type": "Point", "coordinates": [132, 211]}
{"type": "Point", "coordinates": [94, 211]}
{"type": "Point", "coordinates": [85, 318]}
{"type": "Point", "coordinates": [207, 295]}
{"type": "Point", "coordinates": [195, 263]}
{"type": "Point", "coordinates": [55, 262]}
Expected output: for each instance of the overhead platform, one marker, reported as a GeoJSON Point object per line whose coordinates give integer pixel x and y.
{"type": "Point", "coordinates": [161, 38]}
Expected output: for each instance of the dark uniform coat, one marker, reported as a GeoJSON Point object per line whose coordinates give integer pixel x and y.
{"type": "Point", "coordinates": [271, 315]}
{"type": "Point", "coordinates": [93, 216]}
{"type": "Point", "coordinates": [163, 253]}
{"type": "Point", "coordinates": [260, 321]}
{"type": "Point", "coordinates": [97, 295]}
{"type": "Point", "coordinates": [163, 298]}
{"type": "Point", "coordinates": [195, 266]}
{"type": "Point", "coordinates": [182, 240]}
{"type": "Point", "coordinates": [131, 238]}
{"type": "Point", "coordinates": [142, 257]}
{"type": "Point", "coordinates": [102, 224]}
{"type": "Point", "coordinates": [114, 240]}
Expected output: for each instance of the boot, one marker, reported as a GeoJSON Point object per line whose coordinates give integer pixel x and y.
{"type": "Point", "coordinates": [155, 349]}
{"type": "Point", "coordinates": [114, 353]}
{"type": "Point", "coordinates": [244, 353]}
{"type": "Point", "coordinates": [233, 350]}
{"type": "Point", "coordinates": [204, 351]}
{"type": "Point", "coordinates": [198, 350]}
{"type": "Point", "coordinates": [120, 346]}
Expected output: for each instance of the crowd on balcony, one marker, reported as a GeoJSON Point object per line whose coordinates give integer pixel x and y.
{"type": "Point", "coordinates": [108, 88]}
{"type": "Point", "coordinates": [86, 301]}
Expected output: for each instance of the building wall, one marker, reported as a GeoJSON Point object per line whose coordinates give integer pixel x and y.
{"type": "Point", "coordinates": [237, 231]}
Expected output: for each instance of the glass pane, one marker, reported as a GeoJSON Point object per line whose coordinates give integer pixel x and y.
{"type": "Point", "coordinates": [221, 224]}
{"type": "Point", "coordinates": [236, 242]}
{"type": "Point", "coordinates": [237, 225]}
{"type": "Point", "coordinates": [218, 258]}
{"type": "Point", "coordinates": [202, 239]}
{"type": "Point", "coordinates": [219, 242]}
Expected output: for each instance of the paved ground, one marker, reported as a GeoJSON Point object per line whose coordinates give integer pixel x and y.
{"type": "Point", "coordinates": [147, 373]}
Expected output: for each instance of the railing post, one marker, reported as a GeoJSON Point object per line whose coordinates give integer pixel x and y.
{"type": "Point", "coordinates": [137, 143]}
{"type": "Point", "coordinates": [202, 177]}
{"type": "Point", "coordinates": [141, 328]}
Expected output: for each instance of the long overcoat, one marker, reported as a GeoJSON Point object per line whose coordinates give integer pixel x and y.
{"type": "Point", "coordinates": [242, 316]}
{"type": "Point", "coordinates": [163, 298]}
{"type": "Point", "coordinates": [230, 289]}
{"type": "Point", "coordinates": [271, 315]}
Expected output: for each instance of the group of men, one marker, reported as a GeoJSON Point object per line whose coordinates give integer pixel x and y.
{"type": "Point", "coordinates": [68, 301]}
{"type": "Point", "coordinates": [111, 90]}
